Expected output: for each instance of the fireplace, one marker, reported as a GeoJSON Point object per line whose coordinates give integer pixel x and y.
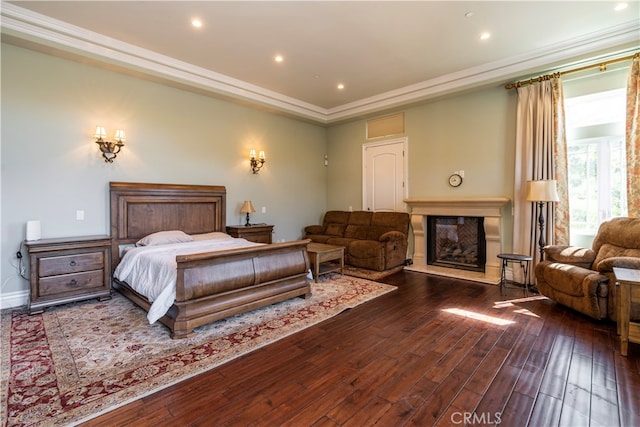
{"type": "Point", "coordinates": [489, 210]}
{"type": "Point", "coordinates": [456, 242]}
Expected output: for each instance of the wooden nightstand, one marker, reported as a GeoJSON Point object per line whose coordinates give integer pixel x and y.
{"type": "Point", "coordinates": [258, 233]}
{"type": "Point", "coordinates": [628, 282]}
{"type": "Point", "coordinates": [69, 269]}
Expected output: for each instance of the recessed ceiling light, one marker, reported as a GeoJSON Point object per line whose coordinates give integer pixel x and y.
{"type": "Point", "coordinates": [196, 22]}
{"type": "Point", "coordinates": [278, 58]}
{"type": "Point", "coordinates": [620, 6]}
{"type": "Point", "coordinates": [485, 36]}
{"type": "Point", "coordinates": [468, 14]}
{"type": "Point", "coordinates": [340, 86]}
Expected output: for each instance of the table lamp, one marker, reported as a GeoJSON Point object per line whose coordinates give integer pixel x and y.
{"type": "Point", "coordinates": [247, 207]}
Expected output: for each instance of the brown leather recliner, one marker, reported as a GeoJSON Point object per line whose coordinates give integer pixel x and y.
{"type": "Point", "coordinates": [583, 278]}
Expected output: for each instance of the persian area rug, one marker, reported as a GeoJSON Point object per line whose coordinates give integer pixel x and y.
{"type": "Point", "coordinates": [74, 362]}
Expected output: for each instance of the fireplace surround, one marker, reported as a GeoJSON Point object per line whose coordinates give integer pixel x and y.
{"type": "Point", "coordinates": [490, 209]}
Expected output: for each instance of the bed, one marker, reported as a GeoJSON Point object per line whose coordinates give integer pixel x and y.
{"type": "Point", "coordinates": [209, 285]}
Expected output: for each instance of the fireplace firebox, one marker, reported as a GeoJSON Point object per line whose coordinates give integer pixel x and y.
{"type": "Point", "coordinates": [456, 242]}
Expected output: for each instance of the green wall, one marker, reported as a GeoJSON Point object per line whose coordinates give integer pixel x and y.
{"type": "Point", "coordinates": [51, 167]}
{"type": "Point", "coordinates": [474, 132]}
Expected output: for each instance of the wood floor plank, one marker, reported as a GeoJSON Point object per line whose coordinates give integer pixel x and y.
{"type": "Point", "coordinates": [531, 377]}
{"type": "Point", "coordinates": [516, 412]}
{"type": "Point", "coordinates": [438, 400]}
{"type": "Point", "coordinates": [482, 378]}
{"type": "Point", "coordinates": [454, 356]}
{"type": "Point", "coordinates": [401, 360]}
{"type": "Point", "coordinates": [394, 389]}
{"type": "Point", "coordinates": [499, 391]}
{"type": "Point", "coordinates": [546, 411]}
{"type": "Point", "coordinates": [604, 406]}
{"type": "Point", "coordinates": [319, 407]}
{"type": "Point", "coordinates": [555, 378]}
{"type": "Point", "coordinates": [628, 387]}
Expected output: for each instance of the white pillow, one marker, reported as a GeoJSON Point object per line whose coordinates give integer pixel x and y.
{"type": "Point", "coordinates": [164, 237]}
{"type": "Point", "coordinates": [210, 236]}
{"type": "Point", "coordinates": [123, 249]}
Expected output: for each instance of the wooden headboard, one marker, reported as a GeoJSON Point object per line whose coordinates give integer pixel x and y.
{"type": "Point", "coordinates": [139, 209]}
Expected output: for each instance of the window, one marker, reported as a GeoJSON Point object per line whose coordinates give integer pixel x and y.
{"type": "Point", "coordinates": [596, 160]}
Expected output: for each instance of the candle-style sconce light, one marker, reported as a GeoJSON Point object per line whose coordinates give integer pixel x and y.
{"type": "Point", "coordinates": [256, 163]}
{"type": "Point", "coordinates": [109, 149]}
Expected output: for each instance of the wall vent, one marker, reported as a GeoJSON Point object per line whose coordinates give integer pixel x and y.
{"type": "Point", "coordinates": [385, 126]}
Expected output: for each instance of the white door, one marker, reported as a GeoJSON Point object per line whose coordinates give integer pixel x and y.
{"type": "Point", "coordinates": [384, 176]}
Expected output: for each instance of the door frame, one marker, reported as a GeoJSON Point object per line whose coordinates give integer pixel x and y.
{"type": "Point", "coordinates": [404, 141]}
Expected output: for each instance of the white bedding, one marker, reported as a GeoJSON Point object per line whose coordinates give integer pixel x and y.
{"type": "Point", "coordinates": [151, 270]}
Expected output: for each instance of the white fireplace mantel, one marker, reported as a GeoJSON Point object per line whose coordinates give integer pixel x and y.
{"type": "Point", "coordinates": [489, 208]}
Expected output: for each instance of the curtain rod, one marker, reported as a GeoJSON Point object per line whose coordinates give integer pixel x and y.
{"type": "Point", "coordinates": [601, 65]}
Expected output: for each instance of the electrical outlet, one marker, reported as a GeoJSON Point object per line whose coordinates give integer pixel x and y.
{"type": "Point", "coordinates": [264, 209]}
{"type": "Point", "coordinates": [80, 215]}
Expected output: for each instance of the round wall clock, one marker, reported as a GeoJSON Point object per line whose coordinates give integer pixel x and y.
{"type": "Point", "coordinates": [455, 180]}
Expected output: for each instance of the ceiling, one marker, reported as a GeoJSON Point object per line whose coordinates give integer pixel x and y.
{"type": "Point", "coordinates": [386, 53]}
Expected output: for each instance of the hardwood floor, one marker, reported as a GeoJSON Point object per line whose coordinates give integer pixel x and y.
{"type": "Point", "coordinates": [402, 360]}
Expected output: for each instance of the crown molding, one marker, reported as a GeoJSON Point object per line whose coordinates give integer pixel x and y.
{"type": "Point", "coordinates": [33, 27]}
{"type": "Point", "coordinates": [541, 60]}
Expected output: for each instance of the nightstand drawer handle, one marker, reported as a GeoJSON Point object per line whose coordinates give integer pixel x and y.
{"type": "Point", "coordinates": [73, 282]}
{"type": "Point", "coordinates": [73, 263]}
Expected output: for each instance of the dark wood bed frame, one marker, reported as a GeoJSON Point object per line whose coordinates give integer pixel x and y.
{"type": "Point", "coordinates": [212, 285]}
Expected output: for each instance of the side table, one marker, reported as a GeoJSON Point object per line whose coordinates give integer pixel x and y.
{"type": "Point", "coordinates": [523, 260]}
{"type": "Point", "coordinates": [257, 233]}
{"type": "Point", "coordinates": [628, 282]}
{"type": "Point", "coordinates": [320, 253]}
{"type": "Point", "coordinates": [64, 270]}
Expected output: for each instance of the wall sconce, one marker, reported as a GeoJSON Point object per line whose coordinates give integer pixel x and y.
{"type": "Point", "coordinates": [256, 164]}
{"type": "Point", "coordinates": [109, 149]}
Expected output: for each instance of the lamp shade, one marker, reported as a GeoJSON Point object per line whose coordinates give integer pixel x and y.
{"type": "Point", "coordinates": [100, 132]}
{"type": "Point", "coordinates": [542, 191]}
{"type": "Point", "coordinates": [120, 136]}
{"type": "Point", "coordinates": [247, 207]}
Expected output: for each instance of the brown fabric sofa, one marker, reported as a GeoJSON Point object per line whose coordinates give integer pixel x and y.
{"type": "Point", "coordinates": [372, 240]}
{"type": "Point", "coordinates": [583, 278]}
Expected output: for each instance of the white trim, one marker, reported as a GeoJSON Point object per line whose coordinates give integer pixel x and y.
{"type": "Point", "coordinates": [41, 29]}
{"type": "Point", "coordinates": [488, 207]}
{"type": "Point", "coordinates": [14, 299]}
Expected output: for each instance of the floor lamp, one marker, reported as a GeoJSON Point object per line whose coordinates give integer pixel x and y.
{"type": "Point", "coordinates": [540, 192]}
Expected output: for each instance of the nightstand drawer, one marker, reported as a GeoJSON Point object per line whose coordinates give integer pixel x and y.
{"type": "Point", "coordinates": [71, 264]}
{"type": "Point", "coordinates": [258, 238]}
{"type": "Point", "coordinates": [56, 285]}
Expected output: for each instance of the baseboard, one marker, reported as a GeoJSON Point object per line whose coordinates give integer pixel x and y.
{"type": "Point", "coordinates": [14, 299]}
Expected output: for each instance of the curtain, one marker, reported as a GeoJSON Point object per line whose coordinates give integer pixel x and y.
{"type": "Point", "coordinates": [633, 138]}
{"type": "Point", "coordinates": [541, 153]}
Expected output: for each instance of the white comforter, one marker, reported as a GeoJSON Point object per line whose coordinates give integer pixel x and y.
{"type": "Point", "coordinates": [151, 270]}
